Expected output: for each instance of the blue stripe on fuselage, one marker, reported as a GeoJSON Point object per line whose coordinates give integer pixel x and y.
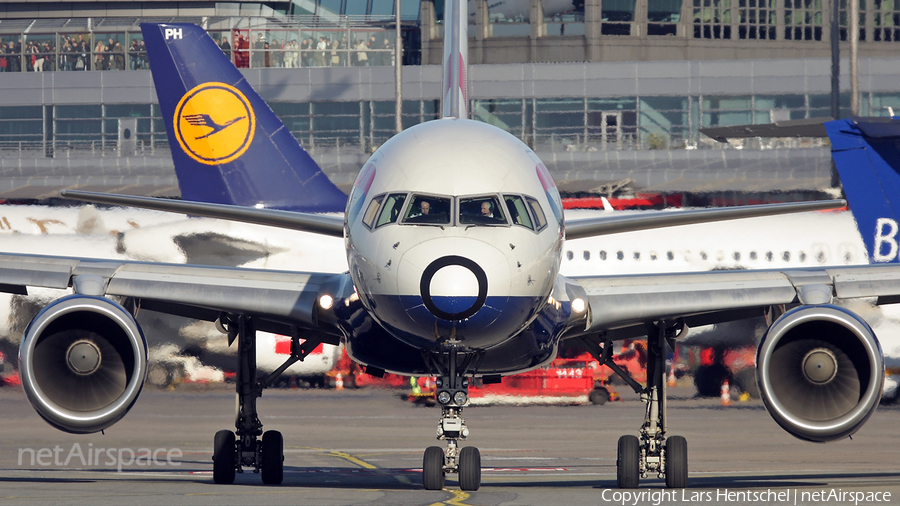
{"type": "Point", "coordinates": [371, 343]}
{"type": "Point", "coordinates": [409, 319]}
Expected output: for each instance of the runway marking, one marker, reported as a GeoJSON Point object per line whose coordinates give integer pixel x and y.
{"type": "Point", "coordinates": [458, 495]}
{"type": "Point", "coordinates": [352, 459]}
{"type": "Point", "coordinates": [509, 469]}
{"type": "Point", "coordinates": [362, 463]}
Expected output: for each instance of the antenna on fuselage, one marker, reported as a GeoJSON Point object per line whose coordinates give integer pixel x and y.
{"type": "Point", "coordinates": [456, 59]}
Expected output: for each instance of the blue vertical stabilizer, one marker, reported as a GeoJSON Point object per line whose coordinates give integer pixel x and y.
{"type": "Point", "coordinates": [866, 154]}
{"type": "Point", "coordinates": [227, 144]}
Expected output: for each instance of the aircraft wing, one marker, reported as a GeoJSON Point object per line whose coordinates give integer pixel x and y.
{"type": "Point", "coordinates": [279, 299]}
{"type": "Point", "coordinates": [317, 223]}
{"type": "Point", "coordinates": [622, 302]}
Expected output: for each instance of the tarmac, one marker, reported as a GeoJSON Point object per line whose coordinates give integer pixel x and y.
{"type": "Point", "coordinates": [364, 447]}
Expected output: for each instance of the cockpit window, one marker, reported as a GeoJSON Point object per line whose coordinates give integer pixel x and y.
{"type": "Point", "coordinates": [481, 211]}
{"type": "Point", "coordinates": [539, 217]}
{"type": "Point", "coordinates": [391, 210]}
{"type": "Point", "coordinates": [518, 213]}
{"type": "Point", "coordinates": [428, 210]}
{"type": "Point", "coordinates": [372, 211]}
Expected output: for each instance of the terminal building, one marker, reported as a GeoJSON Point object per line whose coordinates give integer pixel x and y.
{"type": "Point", "coordinates": [609, 93]}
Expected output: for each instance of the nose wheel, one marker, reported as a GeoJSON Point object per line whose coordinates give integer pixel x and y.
{"type": "Point", "coordinates": [469, 469]}
{"type": "Point", "coordinates": [465, 462]}
{"type": "Point", "coordinates": [433, 473]}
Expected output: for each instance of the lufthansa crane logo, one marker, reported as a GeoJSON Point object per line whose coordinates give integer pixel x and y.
{"type": "Point", "coordinates": [214, 123]}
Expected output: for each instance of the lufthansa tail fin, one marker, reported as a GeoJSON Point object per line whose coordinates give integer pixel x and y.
{"type": "Point", "coordinates": [456, 60]}
{"type": "Point", "coordinates": [866, 153]}
{"type": "Point", "coordinates": [227, 144]}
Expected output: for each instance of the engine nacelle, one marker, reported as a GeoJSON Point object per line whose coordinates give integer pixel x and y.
{"type": "Point", "coordinates": [83, 361]}
{"type": "Point", "coordinates": [820, 372]}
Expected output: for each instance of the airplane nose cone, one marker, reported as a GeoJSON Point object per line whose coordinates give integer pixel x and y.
{"type": "Point", "coordinates": [453, 287]}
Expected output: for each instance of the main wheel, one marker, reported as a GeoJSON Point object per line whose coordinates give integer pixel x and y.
{"type": "Point", "coordinates": [272, 457]}
{"type": "Point", "coordinates": [433, 468]}
{"type": "Point", "coordinates": [469, 469]}
{"type": "Point", "coordinates": [628, 456]}
{"type": "Point", "coordinates": [223, 458]}
{"type": "Point", "coordinates": [676, 462]}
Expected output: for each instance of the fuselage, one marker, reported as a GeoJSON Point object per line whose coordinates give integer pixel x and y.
{"type": "Point", "coordinates": [774, 242]}
{"type": "Point", "coordinates": [454, 234]}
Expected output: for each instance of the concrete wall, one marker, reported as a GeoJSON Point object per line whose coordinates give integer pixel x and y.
{"type": "Point", "coordinates": [549, 80]}
{"type": "Point", "coordinates": [595, 47]}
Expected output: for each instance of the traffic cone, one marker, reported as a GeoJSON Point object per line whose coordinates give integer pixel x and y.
{"type": "Point", "coordinates": [339, 382]}
{"type": "Point", "coordinates": [671, 381]}
{"type": "Point", "coordinates": [726, 393]}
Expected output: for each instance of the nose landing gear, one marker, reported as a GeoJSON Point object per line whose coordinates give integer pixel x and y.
{"type": "Point", "coordinates": [465, 462]}
{"type": "Point", "coordinates": [452, 394]}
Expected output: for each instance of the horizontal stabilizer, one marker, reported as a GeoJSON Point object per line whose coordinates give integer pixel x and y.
{"type": "Point", "coordinates": [812, 127]}
{"type": "Point", "coordinates": [315, 223]}
{"type": "Point", "coordinates": [878, 128]}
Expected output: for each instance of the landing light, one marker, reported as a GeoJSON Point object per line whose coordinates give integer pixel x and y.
{"type": "Point", "coordinates": [578, 305]}
{"type": "Point", "coordinates": [326, 301]}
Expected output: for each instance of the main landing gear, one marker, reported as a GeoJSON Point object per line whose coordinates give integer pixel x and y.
{"type": "Point", "coordinates": [652, 451]}
{"type": "Point", "coordinates": [452, 392]}
{"type": "Point", "coordinates": [233, 451]}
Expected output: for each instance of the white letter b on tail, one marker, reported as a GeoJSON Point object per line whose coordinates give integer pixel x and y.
{"type": "Point", "coordinates": [885, 233]}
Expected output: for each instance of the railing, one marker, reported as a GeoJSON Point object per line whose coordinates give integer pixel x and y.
{"type": "Point", "coordinates": [99, 148]}
{"type": "Point", "coordinates": [261, 45]}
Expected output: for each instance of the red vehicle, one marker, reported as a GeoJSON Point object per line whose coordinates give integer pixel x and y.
{"type": "Point", "coordinates": [566, 381]}
{"type": "Point", "coordinates": [8, 375]}
{"type": "Point", "coordinates": [574, 377]}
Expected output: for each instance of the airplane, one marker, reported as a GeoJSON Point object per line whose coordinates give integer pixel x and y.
{"type": "Point", "coordinates": [151, 235]}
{"type": "Point", "coordinates": [457, 292]}
{"type": "Point", "coordinates": [288, 179]}
{"type": "Point", "coordinates": [519, 10]}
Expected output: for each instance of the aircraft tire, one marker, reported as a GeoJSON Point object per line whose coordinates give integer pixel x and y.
{"type": "Point", "coordinates": [708, 380]}
{"type": "Point", "coordinates": [223, 458]}
{"type": "Point", "coordinates": [433, 468]}
{"type": "Point", "coordinates": [272, 458]}
{"type": "Point", "coordinates": [599, 396]}
{"type": "Point", "coordinates": [157, 375]}
{"type": "Point", "coordinates": [676, 462]}
{"type": "Point", "coordinates": [746, 379]}
{"type": "Point", "coordinates": [469, 469]}
{"type": "Point", "coordinates": [628, 459]}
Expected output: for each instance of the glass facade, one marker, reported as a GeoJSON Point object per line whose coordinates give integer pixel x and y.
{"type": "Point", "coordinates": [757, 19]}
{"type": "Point", "coordinates": [650, 122]}
{"type": "Point", "coordinates": [886, 20]}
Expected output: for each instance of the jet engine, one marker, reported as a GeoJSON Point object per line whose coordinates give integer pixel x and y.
{"type": "Point", "coordinates": [83, 361]}
{"type": "Point", "coordinates": [820, 372]}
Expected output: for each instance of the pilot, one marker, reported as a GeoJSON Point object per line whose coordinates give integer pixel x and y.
{"type": "Point", "coordinates": [487, 209]}
{"type": "Point", "coordinates": [424, 209]}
